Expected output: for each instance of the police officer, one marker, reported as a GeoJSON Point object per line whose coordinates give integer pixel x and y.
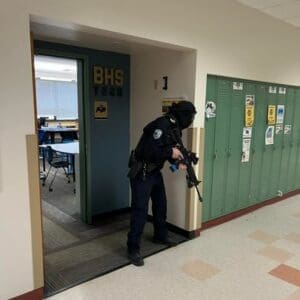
{"type": "Point", "coordinates": [155, 147]}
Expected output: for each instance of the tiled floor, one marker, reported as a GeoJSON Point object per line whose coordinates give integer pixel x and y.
{"type": "Point", "coordinates": [255, 257]}
{"type": "Point", "coordinates": [75, 252]}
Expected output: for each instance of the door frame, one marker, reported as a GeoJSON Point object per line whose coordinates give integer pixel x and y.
{"type": "Point", "coordinates": [84, 126]}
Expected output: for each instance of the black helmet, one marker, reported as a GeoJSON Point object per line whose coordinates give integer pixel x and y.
{"type": "Point", "coordinates": [184, 112]}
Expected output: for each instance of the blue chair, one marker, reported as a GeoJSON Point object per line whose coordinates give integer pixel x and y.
{"type": "Point", "coordinates": [57, 162]}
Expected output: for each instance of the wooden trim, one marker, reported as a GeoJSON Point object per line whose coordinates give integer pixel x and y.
{"type": "Point", "coordinates": [35, 209]}
{"type": "Point", "coordinates": [33, 82]}
{"type": "Point", "coordinates": [247, 210]}
{"type": "Point", "coordinates": [33, 295]}
{"type": "Point", "coordinates": [34, 188]}
{"type": "Point", "coordinates": [195, 143]}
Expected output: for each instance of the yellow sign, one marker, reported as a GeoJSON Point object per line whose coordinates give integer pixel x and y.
{"type": "Point", "coordinates": [271, 114]}
{"type": "Point", "coordinates": [166, 103]}
{"type": "Point", "coordinates": [249, 115]}
{"type": "Point", "coordinates": [100, 110]}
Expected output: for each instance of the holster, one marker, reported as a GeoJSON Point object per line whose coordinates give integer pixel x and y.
{"type": "Point", "coordinates": [137, 166]}
{"type": "Point", "coordinates": [134, 165]}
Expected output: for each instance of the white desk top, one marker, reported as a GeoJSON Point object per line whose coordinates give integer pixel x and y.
{"type": "Point", "coordinates": [58, 129]}
{"type": "Point", "coordinates": [69, 148]}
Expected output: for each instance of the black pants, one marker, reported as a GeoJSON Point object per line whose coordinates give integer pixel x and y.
{"type": "Point", "coordinates": [142, 189]}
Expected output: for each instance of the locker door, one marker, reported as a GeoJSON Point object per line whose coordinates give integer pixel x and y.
{"type": "Point", "coordinates": [267, 152]}
{"type": "Point", "coordinates": [277, 153]}
{"type": "Point", "coordinates": [258, 137]}
{"type": "Point", "coordinates": [296, 181]}
{"type": "Point", "coordinates": [234, 149]}
{"type": "Point", "coordinates": [287, 138]}
{"type": "Point", "coordinates": [245, 168]}
{"type": "Point", "coordinates": [224, 92]}
{"type": "Point", "coordinates": [293, 143]}
{"type": "Point", "coordinates": [210, 125]}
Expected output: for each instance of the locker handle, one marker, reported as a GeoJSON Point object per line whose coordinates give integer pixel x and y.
{"type": "Point", "coordinates": [229, 152]}
{"type": "Point", "coordinates": [253, 150]}
{"type": "Point", "coordinates": [215, 155]}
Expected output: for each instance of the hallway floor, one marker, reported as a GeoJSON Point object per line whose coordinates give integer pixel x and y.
{"type": "Point", "coordinates": [255, 257]}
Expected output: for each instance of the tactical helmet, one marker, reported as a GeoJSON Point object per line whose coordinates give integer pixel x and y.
{"type": "Point", "coordinates": [184, 112]}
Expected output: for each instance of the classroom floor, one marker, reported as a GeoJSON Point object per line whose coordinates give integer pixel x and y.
{"type": "Point", "coordinates": [75, 252]}
{"type": "Point", "coordinates": [255, 257]}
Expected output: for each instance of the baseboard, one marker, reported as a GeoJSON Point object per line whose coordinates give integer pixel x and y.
{"type": "Point", "coordinates": [188, 234]}
{"type": "Point", "coordinates": [247, 210]}
{"type": "Point", "coordinates": [37, 294]}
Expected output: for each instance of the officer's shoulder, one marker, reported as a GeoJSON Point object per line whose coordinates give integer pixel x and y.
{"type": "Point", "coordinates": [162, 121]}
{"type": "Point", "coordinates": [162, 124]}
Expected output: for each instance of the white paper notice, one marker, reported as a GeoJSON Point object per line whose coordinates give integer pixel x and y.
{"type": "Point", "coordinates": [246, 150]}
{"type": "Point", "coordinates": [279, 129]}
{"type": "Point", "coordinates": [269, 138]}
{"type": "Point", "coordinates": [280, 114]}
{"type": "Point", "coordinates": [287, 129]}
{"type": "Point", "coordinates": [247, 132]}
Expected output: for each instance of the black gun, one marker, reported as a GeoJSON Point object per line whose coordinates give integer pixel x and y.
{"type": "Point", "coordinates": [189, 158]}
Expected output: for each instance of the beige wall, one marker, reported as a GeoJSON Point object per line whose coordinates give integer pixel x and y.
{"type": "Point", "coordinates": [146, 106]}
{"type": "Point", "coordinates": [231, 40]}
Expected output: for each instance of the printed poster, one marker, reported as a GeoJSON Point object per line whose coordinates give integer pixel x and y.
{"type": "Point", "coordinates": [269, 137]}
{"type": "Point", "coordinates": [282, 90]}
{"type": "Point", "coordinates": [249, 115]}
{"type": "Point", "coordinates": [272, 90]}
{"type": "Point", "coordinates": [247, 132]}
{"type": "Point", "coordinates": [210, 109]}
{"type": "Point", "coordinates": [100, 110]}
{"type": "Point", "coordinates": [287, 129]}
{"type": "Point", "coordinates": [280, 114]}
{"type": "Point", "coordinates": [250, 100]}
{"type": "Point", "coordinates": [278, 129]}
{"type": "Point", "coordinates": [246, 150]}
{"type": "Point", "coordinates": [238, 86]}
{"type": "Point", "coordinates": [167, 102]}
{"type": "Point", "coordinates": [249, 110]}
{"type": "Point", "coordinates": [271, 114]}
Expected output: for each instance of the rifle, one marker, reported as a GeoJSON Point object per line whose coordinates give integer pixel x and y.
{"type": "Point", "coordinates": [189, 158]}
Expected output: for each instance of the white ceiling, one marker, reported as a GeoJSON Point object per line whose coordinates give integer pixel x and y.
{"type": "Point", "coordinates": [285, 10]}
{"type": "Point", "coordinates": [87, 37]}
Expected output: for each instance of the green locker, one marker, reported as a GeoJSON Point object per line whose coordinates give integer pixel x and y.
{"type": "Point", "coordinates": [234, 151]}
{"type": "Point", "coordinates": [293, 144]}
{"type": "Point", "coordinates": [257, 148]}
{"type": "Point", "coordinates": [268, 151]}
{"type": "Point", "coordinates": [229, 183]}
{"type": "Point", "coordinates": [245, 168]}
{"type": "Point", "coordinates": [211, 92]}
{"type": "Point", "coordinates": [277, 154]}
{"type": "Point", "coordinates": [296, 181]}
{"type": "Point", "coordinates": [220, 157]}
{"type": "Point", "coordinates": [287, 139]}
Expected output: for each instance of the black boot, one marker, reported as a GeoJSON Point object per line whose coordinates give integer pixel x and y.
{"type": "Point", "coordinates": [135, 258]}
{"type": "Point", "coordinates": [165, 241]}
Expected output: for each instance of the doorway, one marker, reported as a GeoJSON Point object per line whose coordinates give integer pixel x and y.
{"type": "Point", "coordinates": [100, 244]}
